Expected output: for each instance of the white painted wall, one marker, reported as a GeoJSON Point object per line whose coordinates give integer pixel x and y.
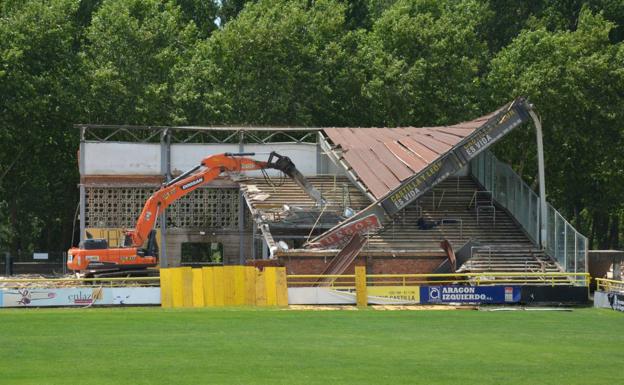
{"type": "Point", "coordinates": [185, 156]}
{"type": "Point", "coordinates": [120, 158]}
{"type": "Point", "coordinates": [303, 155]}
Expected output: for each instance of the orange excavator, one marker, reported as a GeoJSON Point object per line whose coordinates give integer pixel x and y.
{"type": "Point", "coordinates": [94, 256]}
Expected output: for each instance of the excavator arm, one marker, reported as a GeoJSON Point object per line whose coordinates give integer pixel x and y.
{"type": "Point", "coordinates": [209, 169]}
{"type": "Point", "coordinates": [96, 252]}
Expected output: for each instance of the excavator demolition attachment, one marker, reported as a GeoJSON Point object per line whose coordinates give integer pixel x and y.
{"type": "Point", "coordinates": [93, 257]}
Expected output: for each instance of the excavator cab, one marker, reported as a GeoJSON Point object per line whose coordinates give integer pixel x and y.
{"type": "Point", "coordinates": [94, 244]}
{"type": "Point", "coordinates": [140, 249]}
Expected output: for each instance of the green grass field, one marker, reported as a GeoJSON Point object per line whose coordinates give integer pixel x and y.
{"type": "Point", "coordinates": [243, 346]}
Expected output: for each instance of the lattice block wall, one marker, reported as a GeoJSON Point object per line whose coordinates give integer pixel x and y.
{"type": "Point", "coordinates": [205, 208]}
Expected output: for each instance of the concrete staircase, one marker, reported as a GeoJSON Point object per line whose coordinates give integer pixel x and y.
{"type": "Point", "coordinates": [463, 212]}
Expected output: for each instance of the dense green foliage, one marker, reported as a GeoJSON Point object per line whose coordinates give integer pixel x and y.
{"type": "Point", "coordinates": [321, 63]}
{"type": "Point", "coordinates": [211, 346]}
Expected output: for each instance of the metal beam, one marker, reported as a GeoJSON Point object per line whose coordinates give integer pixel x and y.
{"type": "Point", "coordinates": [83, 194]}
{"type": "Point", "coordinates": [542, 178]}
{"type": "Point", "coordinates": [165, 170]}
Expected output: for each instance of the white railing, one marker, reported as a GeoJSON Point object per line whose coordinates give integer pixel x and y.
{"type": "Point", "coordinates": [563, 242]}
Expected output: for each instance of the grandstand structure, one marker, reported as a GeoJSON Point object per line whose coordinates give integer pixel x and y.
{"type": "Point", "coordinates": [481, 217]}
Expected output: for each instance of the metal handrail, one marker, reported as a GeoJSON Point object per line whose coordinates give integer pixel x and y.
{"type": "Point", "coordinates": [479, 279]}
{"type": "Point", "coordinates": [79, 282]}
{"type": "Point", "coordinates": [603, 284]}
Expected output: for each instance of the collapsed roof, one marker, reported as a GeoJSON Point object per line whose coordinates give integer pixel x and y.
{"type": "Point", "coordinates": [392, 167]}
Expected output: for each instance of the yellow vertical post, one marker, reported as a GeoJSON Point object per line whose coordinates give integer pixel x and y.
{"type": "Point", "coordinates": [187, 286]}
{"type": "Point", "coordinates": [218, 286]}
{"type": "Point", "coordinates": [239, 285]}
{"type": "Point", "coordinates": [250, 285]}
{"type": "Point", "coordinates": [361, 297]}
{"type": "Point", "coordinates": [176, 284]}
{"type": "Point", "coordinates": [166, 291]}
{"type": "Point", "coordinates": [228, 285]}
{"type": "Point", "coordinates": [270, 280]}
{"type": "Point", "coordinates": [281, 287]}
{"type": "Point", "coordinates": [260, 288]}
{"type": "Point", "coordinates": [198, 288]}
{"type": "Point", "coordinates": [209, 285]}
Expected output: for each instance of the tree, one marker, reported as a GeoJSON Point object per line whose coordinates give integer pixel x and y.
{"type": "Point", "coordinates": [265, 66]}
{"type": "Point", "coordinates": [426, 59]}
{"type": "Point", "coordinates": [201, 12]}
{"type": "Point", "coordinates": [131, 48]}
{"type": "Point", "coordinates": [40, 88]}
{"type": "Point", "coordinates": [576, 80]}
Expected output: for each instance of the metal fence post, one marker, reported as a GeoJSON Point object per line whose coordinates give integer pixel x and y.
{"type": "Point", "coordinates": [8, 268]}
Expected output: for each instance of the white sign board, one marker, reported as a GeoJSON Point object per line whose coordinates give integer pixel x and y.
{"type": "Point", "coordinates": [40, 255]}
{"type": "Point", "coordinates": [87, 296]}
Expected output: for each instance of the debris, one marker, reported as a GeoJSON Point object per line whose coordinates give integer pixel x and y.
{"type": "Point", "coordinates": [260, 197]}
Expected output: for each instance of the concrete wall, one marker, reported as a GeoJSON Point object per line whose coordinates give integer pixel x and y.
{"type": "Point", "coordinates": [229, 239]}
{"type": "Point", "coordinates": [120, 158]}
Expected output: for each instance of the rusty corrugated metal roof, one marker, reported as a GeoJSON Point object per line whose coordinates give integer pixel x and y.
{"type": "Point", "coordinates": [382, 158]}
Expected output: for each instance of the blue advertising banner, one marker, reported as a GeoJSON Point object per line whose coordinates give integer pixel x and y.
{"type": "Point", "coordinates": [469, 294]}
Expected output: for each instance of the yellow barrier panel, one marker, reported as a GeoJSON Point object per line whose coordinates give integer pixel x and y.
{"type": "Point", "coordinates": [176, 284]}
{"type": "Point", "coordinates": [229, 277]}
{"type": "Point", "coordinates": [250, 285]}
{"type": "Point", "coordinates": [223, 285]}
{"type": "Point", "coordinates": [261, 299]}
{"type": "Point", "coordinates": [198, 288]}
{"type": "Point", "coordinates": [209, 286]}
{"type": "Point", "coordinates": [270, 278]}
{"type": "Point", "coordinates": [281, 288]}
{"type": "Point", "coordinates": [219, 288]}
{"type": "Point", "coordinates": [187, 286]}
{"type": "Point", "coordinates": [361, 297]}
{"type": "Point", "coordinates": [239, 285]}
{"type": "Point", "coordinates": [166, 290]}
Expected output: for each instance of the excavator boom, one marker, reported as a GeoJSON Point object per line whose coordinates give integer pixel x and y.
{"type": "Point", "coordinates": [95, 254]}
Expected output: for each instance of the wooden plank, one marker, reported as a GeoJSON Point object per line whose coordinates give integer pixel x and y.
{"type": "Point", "coordinates": [250, 285]}
{"type": "Point", "coordinates": [209, 286]}
{"type": "Point", "coordinates": [166, 289]}
{"type": "Point", "coordinates": [239, 285]}
{"type": "Point", "coordinates": [433, 144]}
{"type": "Point", "coordinates": [261, 299]}
{"type": "Point", "coordinates": [336, 136]}
{"type": "Point", "coordinates": [177, 285]}
{"type": "Point", "coordinates": [187, 286]}
{"type": "Point", "coordinates": [366, 175]}
{"type": "Point", "coordinates": [361, 296]}
{"type": "Point", "coordinates": [420, 150]}
{"type": "Point", "coordinates": [395, 165]}
{"type": "Point", "coordinates": [443, 137]}
{"type": "Point", "coordinates": [369, 158]}
{"type": "Point", "coordinates": [281, 288]}
{"type": "Point", "coordinates": [198, 288]}
{"type": "Point", "coordinates": [270, 280]}
{"type": "Point", "coordinates": [228, 285]}
{"type": "Point", "coordinates": [462, 133]}
{"type": "Point", "coordinates": [410, 159]}
{"type": "Point", "coordinates": [219, 286]}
